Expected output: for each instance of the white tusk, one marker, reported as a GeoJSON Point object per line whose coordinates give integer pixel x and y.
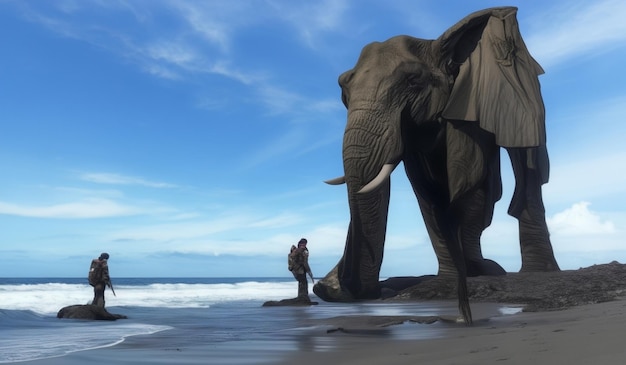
{"type": "Point", "coordinates": [382, 175]}
{"type": "Point", "coordinates": [336, 181]}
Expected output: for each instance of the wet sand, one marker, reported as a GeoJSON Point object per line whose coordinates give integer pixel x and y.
{"type": "Point", "coordinates": [587, 334]}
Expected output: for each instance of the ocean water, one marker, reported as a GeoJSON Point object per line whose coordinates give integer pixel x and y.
{"type": "Point", "coordinates": [225, 314]}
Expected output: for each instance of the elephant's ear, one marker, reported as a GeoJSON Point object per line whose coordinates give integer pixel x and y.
{"type": "Point", "coordinates": [497, 83]}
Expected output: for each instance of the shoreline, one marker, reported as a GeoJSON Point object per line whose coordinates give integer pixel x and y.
{"type": "Point", "coordinates": [591, 333]}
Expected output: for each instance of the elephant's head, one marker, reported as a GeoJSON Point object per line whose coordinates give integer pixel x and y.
{"type": "Point", "coordinates": [404, 82]}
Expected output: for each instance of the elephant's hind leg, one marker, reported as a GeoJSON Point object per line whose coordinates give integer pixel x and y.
{"type": "Point", "coordinates": [527, 206]}
{"type": "Point", "coordinates": [537, 254]}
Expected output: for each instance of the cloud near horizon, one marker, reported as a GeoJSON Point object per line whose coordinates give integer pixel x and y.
{"type": "Point", "coordinates": [579, 220]}
{"type": "Point", "coordinates": [117, 179]}
{"type": "Point", "coordinates": [85, 209]}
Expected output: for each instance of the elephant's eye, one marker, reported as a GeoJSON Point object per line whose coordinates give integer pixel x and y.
{"type": "Point", "coordinates": [416, 81]}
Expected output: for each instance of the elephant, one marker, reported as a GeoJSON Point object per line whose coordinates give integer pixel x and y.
{"type": "Point", "coordinates": [443, 108]}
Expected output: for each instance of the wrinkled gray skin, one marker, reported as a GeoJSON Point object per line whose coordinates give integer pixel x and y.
{"type": "Point", "coordinates": [394, 97]}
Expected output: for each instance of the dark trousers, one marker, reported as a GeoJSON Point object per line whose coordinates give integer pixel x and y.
{"type": "Point", "coordinates": [303, 286]}
{"type": "Point", "coordinates": [98, 295]}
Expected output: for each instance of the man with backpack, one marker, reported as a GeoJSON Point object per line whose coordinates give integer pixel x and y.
{"type": "Point", "coordinates": [298, 261]}
{"type": "Point", "coordinates": [99, 278]}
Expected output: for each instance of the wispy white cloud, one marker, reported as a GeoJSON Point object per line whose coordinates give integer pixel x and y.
{"type": "Point", "coordinates": [280, 145]}
{"type": "Point", "coordinates": [167, 55]}
{"type": "Point", "coordinates": [200, 41]}
{"type": "Point", "coordinates": [325, 241]}
{"type": "Point", "coordinates": [282, 220]}
{"type": "Point", "coordinates": [173, 52]}
{"type": "Point", "coordinates": [202, 235]}
{"type": "Point", "coordinates": [88, 208]}
{"type": "Point", "coordinates": [181, 231]}
{"type": "Point", "coordinates": [59, 26]}
{"type": "Point", "coordinates": [279, 100]}
{"type": "Point", "coordinates": [311, 19]}
{"type": "Point", "coordinates": [282, 101]}
{"type": "Point", "coordinates": [214, 21]}
{"type": "Point", "coordinates": [116, 179]}
{"type": "Point", "coordinates": [299, 110]}
{"type": "Point", "coordinates": [161, 72]}
{"type": "Point", "coordinates": [225, 69]}
{"type": "Point", "coordinates": [577, 30]}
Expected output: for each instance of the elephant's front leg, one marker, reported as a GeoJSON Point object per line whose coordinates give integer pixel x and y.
{"type": "Point", "coordinates": [444, 235]}
{"type": "Point", "coordinates": [427, 174]}
{"type": "Point", "coordinates": [356, 276]}
{"type": "Point", "coordinates": [530, 169]}
{"type": "Point", "coordinates": [473, 212]}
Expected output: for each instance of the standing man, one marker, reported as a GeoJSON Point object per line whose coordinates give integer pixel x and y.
{"type": "Point", "coordinates": [99, 278]}
{"type": "Point", "coordinates": [299, 267]}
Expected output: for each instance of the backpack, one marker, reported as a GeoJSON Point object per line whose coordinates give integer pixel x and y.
{"type": "Point", "coordinates": [296, 259]}
{"type": "Point", "coordinates": [96, 272]}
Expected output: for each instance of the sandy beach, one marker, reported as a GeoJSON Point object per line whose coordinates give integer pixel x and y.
{"type": "Point", "coordinates": [587, 334]}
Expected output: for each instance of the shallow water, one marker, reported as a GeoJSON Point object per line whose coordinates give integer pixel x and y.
{"type": "Point", "coordinates": [225, 315]}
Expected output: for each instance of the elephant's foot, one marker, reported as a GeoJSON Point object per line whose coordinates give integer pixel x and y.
{"type": "Point", "coordinates": [537, 253]}
{"type": "Point", "coordinates": [537, 256]}
{"type": "Point", "coordinates": [474, 267]}
{"type": "Point", "coordinates": [484, 267]}
{"type": "Point", "coordinates": [329, 289]}
{"type": "Point", "coordinates": [539, 265]}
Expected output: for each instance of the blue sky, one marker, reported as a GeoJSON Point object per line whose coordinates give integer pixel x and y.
{"type": "Point", "coordinates": [192, 138]}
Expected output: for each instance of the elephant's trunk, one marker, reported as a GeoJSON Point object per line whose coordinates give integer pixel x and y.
{"type": "Point", "coordinates": [359, 270]}
{"type": "Point", "coordinates": [365, 152]}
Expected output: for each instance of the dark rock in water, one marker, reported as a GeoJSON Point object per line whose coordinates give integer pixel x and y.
{"type": "Point", "coordinates": [88, 311]}
{"type": "Point", "coordinates": [392, 286]}
{"type": "Point", "coordinates": [539, 291]}
{"type": "Point", "coordinates": [398, 283]}
{"type": "Point", "coordinates": [290, 302]}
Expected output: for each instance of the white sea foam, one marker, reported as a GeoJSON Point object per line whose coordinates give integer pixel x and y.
{"type": "Point", "coordinates": [30, 333]}
{"type": "Point", "coordinates": [37, 343]}
{"type": "Point", "coordinates": [49, 298]}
